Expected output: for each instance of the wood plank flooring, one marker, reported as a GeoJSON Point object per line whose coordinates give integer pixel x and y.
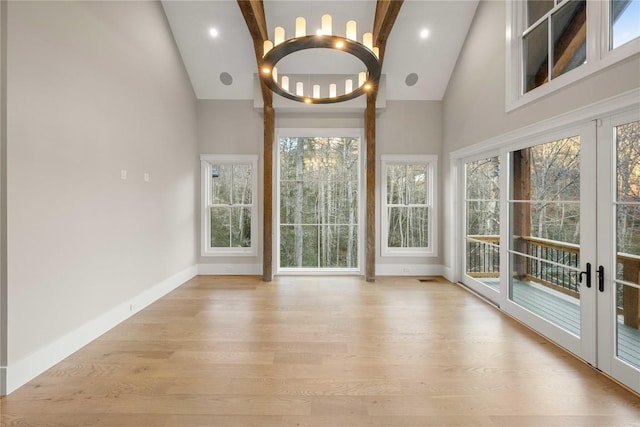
{"type": "Point", "coordinates": [310, 351]}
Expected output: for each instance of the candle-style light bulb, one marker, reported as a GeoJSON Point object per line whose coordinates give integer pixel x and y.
{"type": "Point", "coordinates": [267, 45]}
{"type": "Point", "coordinates": [376, 52]}
{"type": "Point", "coordinates": [278, 36]}
{"type": "Point", "coordinates": [367, 40]}
{"type": "Point", "coordinates": [348, 86]}
{"type": "Point", "coordinates": [299, 89]}
{"type": "Point", "coordinates": [316, 91]}
{"type": "Point", "coordinates": [326, 25]}
{"type": "Point", "coordinates": [285, 83]}
{"type": "Point", "coordinates": [274, 73]}
{"type": "Point", "coordinates": [301, 27]}
{"type": "Point", "coordinates": [362, 77]}
{"type": "Point", "coordinates": [351, 30]}
{"type": "Point", "coordinates": [332, 90]}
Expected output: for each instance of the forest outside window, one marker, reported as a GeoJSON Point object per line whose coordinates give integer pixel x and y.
{"type": "Point", "coordinates": [408, 197]}
{"type": "Point", "coordinates": [229, 213]}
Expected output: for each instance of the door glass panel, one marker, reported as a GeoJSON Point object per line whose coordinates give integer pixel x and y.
{"type": "Point", "coordinates": [545, 244]}
{"type": "Point", "coordinates": [627, 310]}
{"type": "Point", "coordinates": [482, 201]}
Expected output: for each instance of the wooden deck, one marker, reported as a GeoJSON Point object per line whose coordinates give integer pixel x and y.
{"type": "Point", "coordinates": [564, 311]}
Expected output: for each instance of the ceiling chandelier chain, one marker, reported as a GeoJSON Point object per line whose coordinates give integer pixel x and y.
{"type": "Point", "coordinates": [279, 48]}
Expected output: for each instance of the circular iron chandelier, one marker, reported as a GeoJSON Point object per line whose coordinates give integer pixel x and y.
{"type": "Point", "coordinates": [279, 49]}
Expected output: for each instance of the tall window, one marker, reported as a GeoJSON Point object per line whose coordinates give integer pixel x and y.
{"type": "Point", "coordinates": [229, 214]}
{"type": "Point", "coordinates": [319, 203]}
{"type": "Point", "coordinates": [408, 195]}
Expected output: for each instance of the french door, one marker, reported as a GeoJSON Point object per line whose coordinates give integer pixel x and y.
{"type": "Point", "coordinates": [564, 257]}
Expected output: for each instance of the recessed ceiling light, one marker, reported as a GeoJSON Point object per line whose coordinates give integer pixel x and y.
{"type": "Point", "coordinates": [424, 34]}
{"type": "Point", "coordinates": [213, 32]}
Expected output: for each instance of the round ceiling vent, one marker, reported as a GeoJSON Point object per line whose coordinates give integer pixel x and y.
{"type": "Point", "coordinates": [226, 78]}
{"type": "Point", "coordinates": [411, 79]}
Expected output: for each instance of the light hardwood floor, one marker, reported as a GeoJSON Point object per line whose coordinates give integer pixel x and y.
{"type": "Point", "coordinates": [310, 351]}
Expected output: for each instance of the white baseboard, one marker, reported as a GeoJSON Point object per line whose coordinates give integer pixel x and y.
{"type": "Point", "coordinates": [230, 269]}
{"type": "Point", "coordinates": [23, 371]}
{"type": "Point", "coordinates": [409, 270]}
{"type": "Point", "coordinates": [447, 273]}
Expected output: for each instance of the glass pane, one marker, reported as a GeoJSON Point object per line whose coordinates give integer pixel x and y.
{"type": "Point", "coordinates": [568, 26]}
{"type": "Point", "coordinates": [242, 184]}
{"type": "Point", "coordinates": [338, 247]}
{"type": "Point", "coordinates": [536, 56]}
{"type": "Point", "coordinates": [483, 219]}
{"type": "Point", "coordinates": [625, 21]}
{"type": "Point", "coordinates": [482, 179]}
{"type": "Point", "coordinates": [628, 230]}
{"type": "Point", "coordinates": [220, 223]}
{"type": "Point", "coordinates": [417, 184]}
{"type": "Point", "coordinates": [546, 290]}
{"type": "Point", "coordinates": [545, 231]}
{"type": "Point", "coordinates": [396, 184]}
{"type": "Point", "coordinates": [628, 323]}
{"type": "Point", "coordinates": [627, 138]}
{"type": "Point", "coordinates": [240, 227]}
{"type": "Point", "coordinates": [408, 227]}
{"type": "Point", "coordinates": [299, 246]}
{"type": "Point", "coordinates": [536, 9]}
{"type": "Point", "coordinates": [319, 184]}
{"type": "Point", "coordinates": [554, 171]}
{"type": "Point", "coordinates": [221, 184]}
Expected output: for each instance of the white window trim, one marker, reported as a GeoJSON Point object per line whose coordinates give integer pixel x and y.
{"type": "Point", "coordinates": [319, 132]}
{"type": "Point", "coordinates": [205, 183]}
{"type": "Point", "coordinates": [599, 56]}
{"type": "Point", "coordinates": [431, 160]}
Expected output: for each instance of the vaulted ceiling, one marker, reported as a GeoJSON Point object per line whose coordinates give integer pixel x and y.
{"type": "Point", "coordinates": [424, 43]}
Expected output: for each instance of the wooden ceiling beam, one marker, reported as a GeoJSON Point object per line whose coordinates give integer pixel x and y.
{"type": "Point", "coordinates": [253, 13]}
{"type": "Point", "coordinates": [386, 14]}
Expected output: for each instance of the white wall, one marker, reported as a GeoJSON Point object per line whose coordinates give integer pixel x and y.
{"type": "Point", "coordinates": [474, 103]}
{"type": "Point", "coordinates": [3, 196]}
{"type": "Point", "coordinates": [93, 88]}
{"type": "Point", "coordinates": [235, 127]}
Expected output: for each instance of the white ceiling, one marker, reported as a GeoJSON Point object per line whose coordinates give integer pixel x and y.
{"type": "Point", "coordinates": [432, 59]}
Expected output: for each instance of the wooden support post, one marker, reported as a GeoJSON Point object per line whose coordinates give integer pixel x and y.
{"type": "Point", "coordinates": [521, 211]}
{"type": "Point", "coordinates": [630, 295]}
{"type": "Point", "coordinates": [267, 194]}
{"type": "Point", "coordinates": [370, 224]}
{"type": "Point", "coordinates": [253, 13]}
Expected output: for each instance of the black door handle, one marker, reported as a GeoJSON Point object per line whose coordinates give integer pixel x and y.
{"type": "Point", "coordinates": [601, 279]}
{"type": "Point", "coordinates": [588, 273]}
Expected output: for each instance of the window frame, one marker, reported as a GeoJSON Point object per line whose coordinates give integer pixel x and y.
{"type": "Point", "coordinates": [431, 162]}
{"type": "Point", "coordinates": [206, 160]}
{"type": "Point", "coordinates": [319, 132]}
{"type": "Point", "coordinates": [599, 55]}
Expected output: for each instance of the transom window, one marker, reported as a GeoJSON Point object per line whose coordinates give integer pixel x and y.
{"type": "Point", "coordinates": [553, 43]}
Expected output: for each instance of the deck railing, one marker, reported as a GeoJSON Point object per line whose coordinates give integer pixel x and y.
{"type": "Point", "coordinates": [549, 262]}
{"type": "Point", "coordinates": [553, 264]}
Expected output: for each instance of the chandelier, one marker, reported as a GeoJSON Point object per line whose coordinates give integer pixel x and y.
{"type": "Point", "coordinates": [279, 48]}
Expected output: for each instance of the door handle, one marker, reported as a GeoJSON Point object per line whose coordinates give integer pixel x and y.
{"type": "Point", "coordinates": [588, 273]}
{"type": "Point", "coordinates": [601, 279]}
